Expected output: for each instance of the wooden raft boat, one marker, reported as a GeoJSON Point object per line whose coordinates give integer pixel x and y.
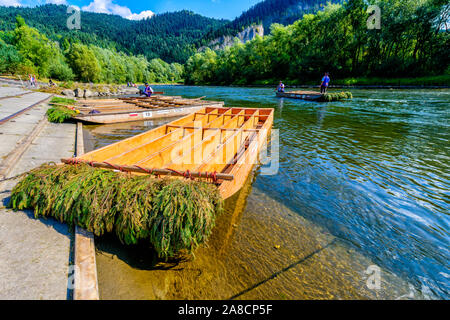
{"type": "Point", "coordinates": [103, 111]}
{"type": "Point", "coordinates": [218, 143]}
{"type": "Point", "coordinates": [305, 95]}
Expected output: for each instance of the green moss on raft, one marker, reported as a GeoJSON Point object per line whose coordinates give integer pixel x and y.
{"type": "Point", "coordinates": [62, 100]}
{"type": "Point", "coordinates": [336, 96]}
{"type": "Point", "coordinates": [59, 114]}
{"type": "Point", "coordinates": [175, 216]}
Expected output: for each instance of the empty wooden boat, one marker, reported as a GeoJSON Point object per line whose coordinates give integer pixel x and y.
{"type": "Point", "coordinates": [104, 111]}
{"type": "Point", "coordinates": [315, 96]}
{"type": "Point", "coordinates": [305, 95]}
{"type": "Point", "coordinates": [214, 142]}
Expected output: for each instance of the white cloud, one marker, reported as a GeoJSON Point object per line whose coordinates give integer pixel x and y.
{"type": "Point", "coordinates": [10, 3]}
{"type": "Point", "coordinates": [56, 1]}
{"type": "Point", "coordinates": [29, 3]}
{"type": "Point", "coordinates": [107, 6]}
{"type": "Point", "coordinates": [142, 15]}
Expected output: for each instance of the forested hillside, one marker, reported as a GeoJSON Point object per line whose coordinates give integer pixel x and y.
{"type": "Point", "coordinates": [411, 42]}
{"type": "Point", "coordinates": [169, 36]}
{"type": "Point", "coordinates": [24, 50]}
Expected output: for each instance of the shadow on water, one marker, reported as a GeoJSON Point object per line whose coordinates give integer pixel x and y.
{"type": "Point", "coordinates": [143, 257]}
{"type": "Point", "coordinates": [141, 261]}
{"type": "Point", "coordinates": [276, 274]}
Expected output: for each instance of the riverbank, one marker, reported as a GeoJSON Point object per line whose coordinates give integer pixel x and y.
{"type": "Point", "coordinates": [87, 90]}
{"type": "Point", "coordinates": [430, 82]}
{"type": "Point", "coordinates": [78, 89]}
{"type": "Point", "coordinates": [35, 254]}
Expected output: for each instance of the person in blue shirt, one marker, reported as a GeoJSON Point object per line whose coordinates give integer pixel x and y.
{"type": "Point", "coordinates": [325, 83]}
{"type": "Point", "coordinates": [148, 91]}
{"type": "Point", "coordinates": [280, 87]}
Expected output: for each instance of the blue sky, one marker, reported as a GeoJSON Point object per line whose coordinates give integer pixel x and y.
{"type": "Point", "coordinates": [227, 9]}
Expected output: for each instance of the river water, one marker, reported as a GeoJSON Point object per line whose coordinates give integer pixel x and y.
{"type": "Point", "coordinates": [358, 209]}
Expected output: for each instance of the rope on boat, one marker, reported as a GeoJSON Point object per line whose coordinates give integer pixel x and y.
{"type": "Point", "coordinates": [212, 176]}
{"type": "Point", "coordinates": [145, 169]}
{"type": "Point", "coordinates": [110, 164]}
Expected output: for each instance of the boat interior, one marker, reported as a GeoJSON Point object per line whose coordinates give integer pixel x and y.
{"type": "Point", "coordinates": [210, 140]}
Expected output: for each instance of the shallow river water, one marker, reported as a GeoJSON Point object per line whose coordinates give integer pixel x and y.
{"type": "Point", "coordinates": [358, 209]}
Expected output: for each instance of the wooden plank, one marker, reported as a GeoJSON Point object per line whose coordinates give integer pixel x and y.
{"type": "Point", "coordinates": [86, 282]}
{"type": "Point", "coordinates": [132, 142]}
{"type": "Point", "coordinates": [245, 164]}
{"type": "Point", "coordinates": [140, 152]}
{"type": "Point", "coordinates": [165, 156]}
{"type": "Point", "coordinates": [191, 155]}
{"type": "Point", "coordinates": [151, 144]}
{"type": "Point", "coordinates": [205, 148]}
{"type": "Point", "coordinates": [228, 148]}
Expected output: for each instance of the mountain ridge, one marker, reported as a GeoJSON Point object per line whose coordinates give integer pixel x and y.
{"type": "Point", "coordinates": [266, 13]}
{"type": "Point", "coordinates": [170, 36]}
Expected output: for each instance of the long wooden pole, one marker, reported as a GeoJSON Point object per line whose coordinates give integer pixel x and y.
{"type": "Point", "coordinates": [162, 172]}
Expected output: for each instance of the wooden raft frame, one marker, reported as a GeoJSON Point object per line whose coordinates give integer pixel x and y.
{"type": "Point", "coordinates": [223, 141]}
{"type": "Point", "coordinates": [304, 95]}
{"type": "Point", "coordinates": [135, 109]}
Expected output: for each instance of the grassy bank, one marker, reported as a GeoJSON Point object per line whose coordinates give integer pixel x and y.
{"type": "Point", "coordinates": [98, 86]}
{"type": "Point", "coordinates": [59, 113]}
{"type": "Point", "coordinates": [442, 80]}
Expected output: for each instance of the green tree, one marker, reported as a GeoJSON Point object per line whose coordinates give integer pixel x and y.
{"type": "Point", "coordinates": [84, 62]}
{"type": "Point", "coordinates": [60, 70]}
{"type": "Point", "coordinates": [10, 58]}
{"type": "Point", "coordinates": [35, 49]}
{"type": "Point", "coordinates": [201, 67]}
{"type": "Point", "coordinates": [411, 42]}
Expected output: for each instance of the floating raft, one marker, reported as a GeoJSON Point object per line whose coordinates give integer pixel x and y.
{"type": "Point", "coordinates": [104, 111]}
{"type": "Point", "coordinates": [315, 96]}
{"type": "Point", "coordinates": [305, 95]}
{"type": "Point", "coordinates": [218, 143]}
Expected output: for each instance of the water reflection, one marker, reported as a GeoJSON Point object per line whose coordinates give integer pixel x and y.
{"type": "Point", "coordinates": [280, 106]}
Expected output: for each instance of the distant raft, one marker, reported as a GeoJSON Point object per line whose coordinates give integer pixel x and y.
{"type": "Point", "coordinates": [316, 96]}
{"type": "Point", "coordinates": [103, 111]}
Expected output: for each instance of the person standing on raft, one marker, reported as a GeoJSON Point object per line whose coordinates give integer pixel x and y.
{"type": "Point", "coordinates": [148, 91]}
{"type": "Point", "coordinates": [280, 87]}
{"type": "Point", "coordinates": [325, 83]}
